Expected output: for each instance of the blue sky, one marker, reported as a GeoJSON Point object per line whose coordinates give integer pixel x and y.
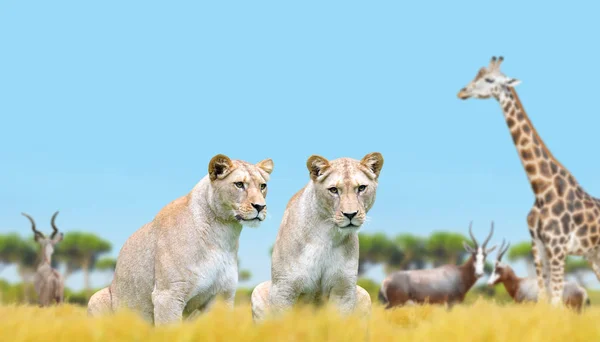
{"type": "Point", "coordinates": [112, 109]}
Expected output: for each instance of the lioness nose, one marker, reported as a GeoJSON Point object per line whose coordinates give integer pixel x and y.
{"type": "Point", "coordinates": [258, 207]}
{"type": "Point", "coordinates": [351, 215]}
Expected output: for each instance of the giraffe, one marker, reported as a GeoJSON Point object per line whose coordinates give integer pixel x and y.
{"type": "Point", "coordinates": [564, 219]}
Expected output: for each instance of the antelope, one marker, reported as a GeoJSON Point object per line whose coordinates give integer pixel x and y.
{"type": "Point", "coordinates": [447, 284]}
{"type": "Point", "coordinates": [48, 282]}
{"type": "Point", "coordinates": [526, 289]}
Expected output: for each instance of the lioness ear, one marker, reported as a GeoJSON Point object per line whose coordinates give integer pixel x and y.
{"type": "Point", "coordinates": [266, 165]}
{"type": "Point", "coordinates": [374, 162]}
{"type": "Point", "coordinates": [316, 166]}
{"type": "Point", "coordinates": [219, 167]}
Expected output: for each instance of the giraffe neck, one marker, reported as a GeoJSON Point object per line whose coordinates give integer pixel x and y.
{"type": "Point", "coordinates": [540, 165]}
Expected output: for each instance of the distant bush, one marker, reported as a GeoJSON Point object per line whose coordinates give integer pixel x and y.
{"type": "Point", "coordinates": [78, 297]}
{"type": "Point", "coordinates": [11, 293]}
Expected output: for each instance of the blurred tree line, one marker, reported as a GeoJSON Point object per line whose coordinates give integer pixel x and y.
{"type": "Point", "coordinates": [83, 252]}
{"type": "Point", "coordinates": [408, 251]}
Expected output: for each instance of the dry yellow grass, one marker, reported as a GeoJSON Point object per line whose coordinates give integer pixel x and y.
{"type": "Point", "coordinates": [482, 321]}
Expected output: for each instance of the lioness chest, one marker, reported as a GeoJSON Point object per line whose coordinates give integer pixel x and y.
{"type": "Point", "coordinates": [214, 275]}
{"type": "Point", "coordinates": [322, 268]}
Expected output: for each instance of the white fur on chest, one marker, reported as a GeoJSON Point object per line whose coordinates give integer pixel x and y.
{"type": "Point", "coordinates": [218, 273]}
{"type": "Point", "coordinates": [321, 267]}
{"type": "Point", "coordinates": [215, 270]}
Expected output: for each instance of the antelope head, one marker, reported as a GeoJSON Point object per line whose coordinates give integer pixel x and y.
{"type": "Point", "coordinates": [480, 252]}
{"type": "Point", "coordinates": [500, 269]}
{"type": "Point", "coordinates": [46, 243]}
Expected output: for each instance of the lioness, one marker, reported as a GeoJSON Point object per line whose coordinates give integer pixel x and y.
{"type": "Point", "coordinates": [315, 256]}
{"type": "Point", "coordinates": [187, 255]}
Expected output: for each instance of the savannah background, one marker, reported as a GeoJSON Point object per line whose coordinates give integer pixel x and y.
{"type": "Point", "coordinates": [111, 110]}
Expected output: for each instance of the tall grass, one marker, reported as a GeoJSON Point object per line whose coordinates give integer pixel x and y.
{"type": "Point", "coordinates": [480, 321]}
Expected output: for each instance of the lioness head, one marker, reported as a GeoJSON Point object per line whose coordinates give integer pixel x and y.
{"type": "Point", "coordinates": [239, 189]}
{"type": "Point", "coordinates": [345, 188]}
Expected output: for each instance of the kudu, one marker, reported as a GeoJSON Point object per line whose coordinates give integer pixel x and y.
{"type": "Point", "coordinates": [47, 281]}
{"type": "Point", "coordinates": [445, 284]}
{"type": "Point", "coordinates": [526, 289]}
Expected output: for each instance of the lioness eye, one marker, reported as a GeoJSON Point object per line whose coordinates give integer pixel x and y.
{"type": "Point", "coordinates": [333, 190]}
{"type": "Point", "coordinates": [239, 184]}
{"type": "Point", "coordinates": [263, 186]}
{"type": "Point", "coordinates": [362, 188]}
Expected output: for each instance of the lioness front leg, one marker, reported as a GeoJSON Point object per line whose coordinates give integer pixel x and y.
{"type": "Point", "coordinates": [195, 313]}
{"type": "Point", "coordinates": [343, 295]}
{"type": "Point", "coordinates": [168, 303]}
{"type": "Point", "coordinates": [363, 302]}
{"type": "Point", "coordinates": [282, 297]}
{"type": "Point", "coordinates": [260, 301]}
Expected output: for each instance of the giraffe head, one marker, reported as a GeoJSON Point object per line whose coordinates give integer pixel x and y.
{"type": "Point", "coordinates": [488, 82]}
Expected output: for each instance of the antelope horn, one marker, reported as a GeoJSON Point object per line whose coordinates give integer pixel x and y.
{"type": "Point", "coordinates": [502, 251]}
{"type": "Point", "coordinates": [35, 231]}
{"type": "Point", "coordinates": [55, 230]}
{"type": "Point", "coordinates": [472, 236]}
{"type": "Point", "coordinates": [489, 236]}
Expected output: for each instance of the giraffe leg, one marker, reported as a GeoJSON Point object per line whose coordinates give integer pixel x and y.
{"type": "Point", "coordinates": [547, 271]}
{"type": "Point", "coordinates": [594, 262]}
{"type": "Point", "coordinates": [540, 259]}
{"type": "Point", "coordinates": [557, 269]}
{"type": "Point", "coordinates": [596, 269]}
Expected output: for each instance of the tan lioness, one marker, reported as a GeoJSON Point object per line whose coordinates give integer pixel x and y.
{"type": "Point", "coordinates": [315, 256]}
{"type": "Point", "coordinates": [187, 255]}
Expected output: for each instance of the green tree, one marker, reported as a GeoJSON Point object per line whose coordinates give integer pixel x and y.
{"type": "Point", "coordinates": [10, 249]}
{"type": "Point", "coordinates": [413, 250]}
{"type": "Point", "coordinates": [106, 264]}
{"type": "Point", "coordinates": [72, 265]}
{"type": "Point", "coordinates": [522, 251]}
{"type": "Point", "coordinates": [446, 247]}
{"type": "Point", "coordinates": [81, 250]}
{"type": "Point", "coordinates": [375, 249]}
